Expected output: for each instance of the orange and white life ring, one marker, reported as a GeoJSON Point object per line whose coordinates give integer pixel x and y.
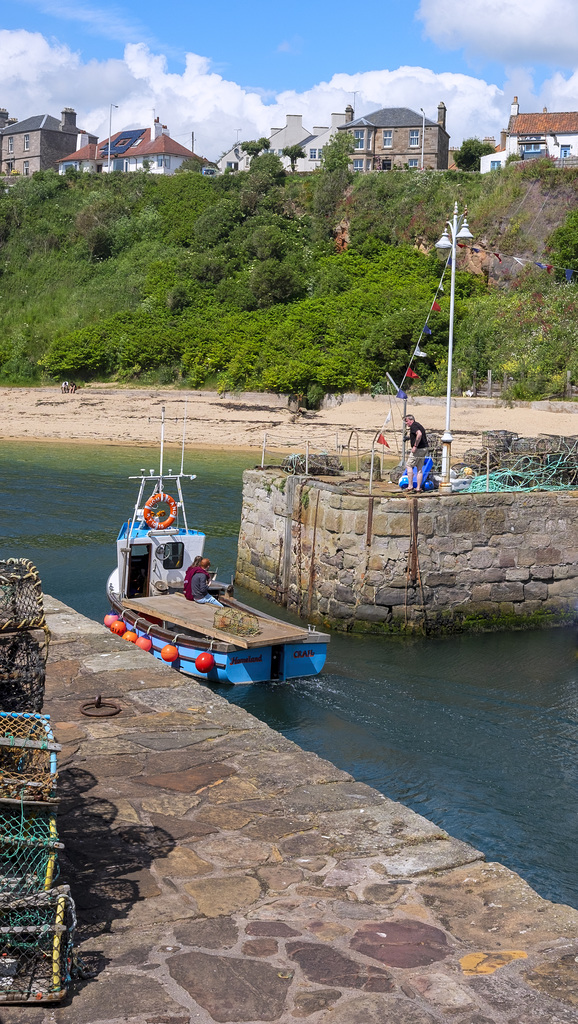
{"type": "Point", "coordinates": [160, 511]}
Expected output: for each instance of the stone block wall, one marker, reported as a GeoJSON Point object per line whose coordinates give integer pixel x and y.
{"type": "Point", "coordinates": [441, 563]}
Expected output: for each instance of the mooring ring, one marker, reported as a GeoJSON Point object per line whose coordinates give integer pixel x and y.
{"type": "Point", "coordinates": [99, 708]}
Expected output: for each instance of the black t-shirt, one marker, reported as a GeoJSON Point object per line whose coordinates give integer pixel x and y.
{"type": "Point", "coordinates": [413, 432]}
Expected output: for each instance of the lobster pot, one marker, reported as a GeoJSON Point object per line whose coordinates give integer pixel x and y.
{"type": "Point", "coordinates": [20, 596]}
{"type": "Point", "coordinates": [36, 942]}
{"type": "Point", "coordinates": [22, 671]}
{"type": "Point", "coordinates": [237, 622]}
{"type": "Point", "coordinates": [28, 768]}
{"type": "Point", "coordinates": [28, 847]}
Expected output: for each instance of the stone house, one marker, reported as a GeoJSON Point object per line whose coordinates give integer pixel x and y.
{"type": "Point", "coordinates": [131, 150]}
{"type": "Point", "coordinates": [293, 134]}
{"type": "Point", "coordinates": [529, 136]}
{"type": "Point", "coordinates": [398, 137]}
{"type": "Point", "coordinates": [37, 143]}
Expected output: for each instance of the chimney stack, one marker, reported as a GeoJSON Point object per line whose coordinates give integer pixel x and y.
{"type": "Point", "coordinates": [442, 111]}
{"type": "Point", "coordinates": [515, 108]}
{"type": "Point", "coordinates": [3, 117]}
{"type": "Point", "coordinates": [348, 113]}
{"type": "Point", "coordinates": [68, 119]}
{"type": "Point", "coordinates": [503, 137]}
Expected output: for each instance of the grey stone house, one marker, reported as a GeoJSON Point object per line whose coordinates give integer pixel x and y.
{"type": "Point", "coordinates": [36, 143]}
{"type": "Point", "coordinates": [398, 137]}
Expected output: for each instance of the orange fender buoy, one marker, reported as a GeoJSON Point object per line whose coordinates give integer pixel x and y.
{"type": "Point", "coordinates": [118, 627]}
{"type": "Point", "coordinates": [110, 618]}
{"type": "Point", "coordinates": [204, 662]}
{"type": "Point", "coordinates": [130, 635]}
{"type": "Point", "coordinates": [144, 642]}
{"type": "Point", "coordinates": [169, 653]}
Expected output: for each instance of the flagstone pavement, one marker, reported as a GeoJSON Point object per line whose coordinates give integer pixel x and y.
{"type": "Point", "coordinates": [223, 874]}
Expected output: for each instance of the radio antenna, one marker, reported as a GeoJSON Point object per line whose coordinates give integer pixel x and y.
{"type": "Point", "coordinates": [183, 445]}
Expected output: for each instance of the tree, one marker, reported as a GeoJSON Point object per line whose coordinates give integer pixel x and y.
{"type": "Point", "coordinates": [255, 146]}
{"type": "Point", "coordinates": [467, 157]}
{"type": "Point", "coordinates": [294, 153]}
{"type": "Point", "coordinates": [337, 153]}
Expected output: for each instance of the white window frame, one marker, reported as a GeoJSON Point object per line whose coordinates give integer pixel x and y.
{"type": "Point", "coordinates": [414, 137]}
{"type": "Point", "coordinates": [26, 168]}
{"type": "Point", "coordinates": [313, 154]}
{"type": "Point", "coordinates": [359, 137]}
{"type": "Point", "coordinates": [565, 151]}
{"type": "Point", "coordinates": [412, 164]}
{"type": "Point", "coordinates": [387, 138]}
{"type": "Point", "coordinates": [358, 165]}
{"type": "Point", "coordinates": [319, 154]}
{"type": "Point", "coordinates": [26, 143]}
{"type": "Point", "coordinates": [10, 143]}
{"type": "Point", "coordinates": [495, 165]}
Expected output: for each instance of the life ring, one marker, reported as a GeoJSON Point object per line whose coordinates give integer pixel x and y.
{"type": "Point", "coordinates": [164, 515]}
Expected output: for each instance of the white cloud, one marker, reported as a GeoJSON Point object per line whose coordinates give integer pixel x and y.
{"type": "Point", "coordinates": [42, 76]}
{"type": "Point", "coordinates": [516, 32]}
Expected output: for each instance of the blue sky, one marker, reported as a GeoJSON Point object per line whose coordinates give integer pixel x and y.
{"type": "Point", "coordinates": [214, 68]}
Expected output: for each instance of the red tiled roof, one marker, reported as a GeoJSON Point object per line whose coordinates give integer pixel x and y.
{"type": "Point", "coordinates": [86, 153]}
{"type": "Point", "coordinates": [540, 124]}
{"type": "Point", "coordinates": [164, 144]}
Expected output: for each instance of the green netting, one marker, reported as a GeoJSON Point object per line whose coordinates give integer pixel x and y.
{"type": "Point", "coordinates": [27, 757]}
{"type": "Point", "coordinates": [36, 942]}
{"type": "Point", "coordinates": [20, 596]}
{"type": "Point", "coordinates": [28, 847]}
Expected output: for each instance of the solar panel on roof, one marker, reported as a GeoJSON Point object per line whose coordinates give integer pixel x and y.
{"type": "Point", "coordinates": [123, 142]}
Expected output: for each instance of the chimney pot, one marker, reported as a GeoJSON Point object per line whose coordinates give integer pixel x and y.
{"type": "Point", "coordinates": [68, 118]}
{"type": "Point", "coordinates": [545, 110]}
{"type": "Point", "coordinates": [348, 113]}
{"type": "Point", "coordinates": [442, 111]}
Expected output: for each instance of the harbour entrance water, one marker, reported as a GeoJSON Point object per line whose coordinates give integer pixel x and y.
{"type": "Point", "coordinates": [479, 734]}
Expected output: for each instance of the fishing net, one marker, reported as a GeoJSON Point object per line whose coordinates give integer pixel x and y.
{"type": "Point", "coordinates": [36, 941]}
{"type": "Point", "coordinates": [20, 596]}
{"type": "Point", "coordinates": [28, 847]}
{"type": "Point", "coordinates": [321, 464]}
{"type": "Point", "coordinates": [237, 622]}
{"type": "Point", "coordinates": [22, 672]}
{"type": "Point", "coordinates": [27, 757]}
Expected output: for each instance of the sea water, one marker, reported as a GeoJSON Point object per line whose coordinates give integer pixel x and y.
{"type": "Point", "coordinates": [478, 733]}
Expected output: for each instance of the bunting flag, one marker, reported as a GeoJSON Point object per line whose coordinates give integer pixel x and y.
{"type": "Point", "coordinates": [401, 394]}
{"type": "Point", "coordinates": [498, 257]}
{"type": "Point", "coordinates": [426, 330]}
{"type": "Point", "coordinates": [419, 352]}
{"type": "Point", "coordinates": [475, 250]}
{"type": "Point", "coordinates": [436, 306]}
{"type": "Point", "coordinates": [411, 374]}
{"type": "Point", "coordinates": [543, 266]}
{"type": "Point", "coordinates": [520, 260]}
{"type": "Point", "coordinates": [568, 274]}
{"type": "Point", "coordinates": [440, 287]}
{"type": "Point", "coordinates": [381, 440]}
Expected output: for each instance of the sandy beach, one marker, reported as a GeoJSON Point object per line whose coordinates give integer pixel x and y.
{"type": "Point", "coordinates": [103, 414]}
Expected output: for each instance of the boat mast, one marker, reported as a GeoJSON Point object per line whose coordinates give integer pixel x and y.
{"type": "Point", "coordinates": [162, 448]}
{"type": "Point", "coordinates": [183, 444]}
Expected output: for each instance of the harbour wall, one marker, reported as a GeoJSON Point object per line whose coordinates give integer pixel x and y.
{"type": "Point", "coordinates": [388, 563]}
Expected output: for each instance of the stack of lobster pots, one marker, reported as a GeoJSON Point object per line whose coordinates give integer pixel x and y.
{"type": "Point", "coordinates": [37, 917]}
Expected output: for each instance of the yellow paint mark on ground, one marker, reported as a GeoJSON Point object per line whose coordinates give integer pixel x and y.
{"type": "Point", "coordinates": [487, 963]}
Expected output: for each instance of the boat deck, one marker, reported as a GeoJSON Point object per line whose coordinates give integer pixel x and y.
{"type": "Point", "coordinates": [198, 618]}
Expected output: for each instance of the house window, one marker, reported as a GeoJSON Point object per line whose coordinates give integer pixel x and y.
{"type": "Point", "coordinates": [388, 138]}
{"type": "Point", "coordinates": [358, 165]}
{"type": "Point", "coordinates": [26, 143]}
{"type": "Point", "coordinates": [163, 161]}
{"type": "Point", "coordinates": [495, 165]}
{"type": "Point", "coordinates": [532, 147]}
{"type": "Point", "coordinates": [564, 152]}
{"type": "Point", "coordinates": [10, 144]}
{"type": "Point", "coordinates": [319, 154]}
{"type": "Point", "coordinates": [386, 165]}
{"type": "Point", "coordinates": [232, 165]}
{"type": "Point", "coordinates": [414, 137]}
{"type": "Point", "coordinates": [9, 166]}
{"type": "Point", "coordinates": [412, 163]}
{"type": "Point", "coordinates": [26, 167]}
{"type": "Point", "coordinates": [368, 140]}
{"type": "Point", "coordinates": [368, 165]}
{"type": "Point", "coordinates": [359, 136]}
{"type": "Point", "coordinates": [313, 154]}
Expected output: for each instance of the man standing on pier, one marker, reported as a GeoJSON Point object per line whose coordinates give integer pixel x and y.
{"type": "Point", "coordinates": [418, 451]}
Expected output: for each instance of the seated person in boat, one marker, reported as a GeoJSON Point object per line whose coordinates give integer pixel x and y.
{"type": "Point", "coordinates": [197, 579]}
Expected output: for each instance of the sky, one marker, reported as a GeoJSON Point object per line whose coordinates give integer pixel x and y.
{"type": "Point", "coordinates": [231, 71]}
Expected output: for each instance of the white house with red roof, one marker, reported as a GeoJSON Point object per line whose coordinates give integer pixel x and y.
{"type": "Point", "coordinates": [529, 136]}
{"type": "Point", "coordinates": [133, 149]}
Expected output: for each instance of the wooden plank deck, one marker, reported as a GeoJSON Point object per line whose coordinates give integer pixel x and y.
{"type": "Point", "coordinates": [199, 619]}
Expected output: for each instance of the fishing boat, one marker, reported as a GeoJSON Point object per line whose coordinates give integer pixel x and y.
{"type": "Point", "coordinates": [229, 644]}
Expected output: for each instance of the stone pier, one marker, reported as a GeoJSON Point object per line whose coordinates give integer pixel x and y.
{"type": "Point", "coordinates": [222, 874]}
{"type": "Point", "coordinates": [388, 562]}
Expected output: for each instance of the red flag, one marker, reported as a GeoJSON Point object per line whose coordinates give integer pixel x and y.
{"type": "Point", "coordinates": [381, 440]}
{"type": "Point", "coordinates": [436, 306]}
{"type": "Point", "coordinates": [549, 268]}
{"type": "Point", "coordinates": [498, 257]}
{"type": "Point", "coordinates": [412, 374]}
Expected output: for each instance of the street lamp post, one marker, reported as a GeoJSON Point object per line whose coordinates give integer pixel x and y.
{"type": "Point", "coordinates": [458, 229]}
{"type": "Point", "coordinates": [115, 105]}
